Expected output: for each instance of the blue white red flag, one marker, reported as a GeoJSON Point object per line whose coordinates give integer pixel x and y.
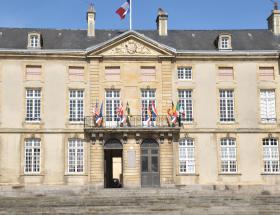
{"type": "Point", "coordinates": [154, 110]}
{"type": "Point", "coordinates": [123, 10]}
{"type": "Point", "coordinates": [149, 114]}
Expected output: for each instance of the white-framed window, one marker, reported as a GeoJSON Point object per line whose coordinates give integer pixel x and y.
{"type": "Point", "coordinates": [228, 155]}
{"type": "Point", "coordinates": [267, 106]}
{"type": "Point", "coordinates": [75, 156]}
{"type": "Point", "coordinates": [33, 104]}
{"type": "Point", "coordinates": [271, 155]}
{"type": "Point", "coordinates": [32, 153]}
{"type": "Point", "coordinates": [112, 105]}
{"type": "Point", "coordinates": [226, 106]}
{"type": "Point", "coordinates": [148, 97]}
{"type": "Point", "coordinates": [184, 73]}
{"type": "Point", "coordinates": [224, 42]}
{"type": "Point", "coordinates": [186, 156]}
{"type": "Point", "coordinates": [186, 104]}
{"type": "Point", "coordinates": [34, 40]}
{"type": "Point", "coordinates": [76, 105]}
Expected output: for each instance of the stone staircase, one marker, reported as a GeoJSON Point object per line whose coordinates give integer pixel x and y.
{"type": "Point", "coordinates": [164, 201]}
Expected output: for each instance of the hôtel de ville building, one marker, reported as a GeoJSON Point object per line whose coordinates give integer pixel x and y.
{"type": "Point", "coordinates": [147, 108]}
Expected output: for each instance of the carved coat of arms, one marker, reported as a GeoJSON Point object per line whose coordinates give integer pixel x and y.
{"type": "Point", "coordinates": [131, 47]}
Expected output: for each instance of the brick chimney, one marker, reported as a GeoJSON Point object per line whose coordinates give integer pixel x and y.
{"type": "Point", "coordinates": [91, 14]}
{"type": "Point", "coordinates": [273, 20]}
{"type": "Point", "coordinates": [162, 22]}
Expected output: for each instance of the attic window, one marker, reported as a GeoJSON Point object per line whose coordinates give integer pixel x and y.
{"type": "Point", "coordinates": [34, 40]}
{"type": "Point", "coordinates": [224, 42]}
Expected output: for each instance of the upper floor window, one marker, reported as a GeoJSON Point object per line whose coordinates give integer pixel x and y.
{"type": "Point", "coordinates": [186, 104]}
{"type": "Point", "coordinates": [112, 105]}
{"type": "Point", "coordinates": [224, 42]}
{"type": "Point", "coordinates": [76, 102]}
{"type": "Point", "coordinates": [186, 156]}
{"type": "Point", "coordinates": [75, 156]}
{"type": "Point", "coordinates": [32, 151]}
{"type": "Point", "coordinates": [33, 105]}
{"type": "Point", "coordinates": [184, 73]}
{"type": "Point", "coordinates": [34, 40]}
{"type": "Point", "coordinates": [228, 155]}
{"type": "Point", "coordinates": [148, 98]}
{"type": "Point", "coordinates": [76, 73]}
{"type": "Point", "coordinates": [266, 73]}
{"type": "Point", "coordinates": [33, 72]}
{"type": "Point", "coordinates": [271, 155]}
{"type": "Point", "coordinates": [267, 106]}
{"type": "Point", "coordinates": [226, 106]}
{"type": "Point", "coordinates": [225, 74]}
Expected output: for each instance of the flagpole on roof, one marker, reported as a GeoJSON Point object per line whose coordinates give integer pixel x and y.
{"type": "Point", "coordinates": [130, 16]}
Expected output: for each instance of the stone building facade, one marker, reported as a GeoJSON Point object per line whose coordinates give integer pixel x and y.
{"type": "Point", "coordinates": [226, 83]}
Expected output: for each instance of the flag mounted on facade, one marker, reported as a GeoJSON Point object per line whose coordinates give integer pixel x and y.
{"type": "Point", "coordinates": [123, 10]}
{"type": "Point", "coordinates": [127, 114]}
{"type": "Point", "coordinates": [99, 118]}
{"type": "Point", "coordinates": [154, 110]}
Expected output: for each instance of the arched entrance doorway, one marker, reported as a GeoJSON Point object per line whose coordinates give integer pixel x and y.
{"type": "Point", "coordinates": [113, 164]}
{"type": "Point", "coordinates": [150, 175]}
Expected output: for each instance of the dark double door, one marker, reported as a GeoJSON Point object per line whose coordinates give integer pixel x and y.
{"type": "Point", "coordinates": [150, 174]}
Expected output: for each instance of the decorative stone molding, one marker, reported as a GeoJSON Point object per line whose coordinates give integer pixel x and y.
{"type": "Point", "coordinates": [131, 47]}
{"type": "Point", "coordinates": [161, 138]}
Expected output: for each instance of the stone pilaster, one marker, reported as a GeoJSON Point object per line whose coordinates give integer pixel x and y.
{"type": "Point", "coordinates": [166, 69]}
{"type": "Point", "coordinates": [97, 165]}
{"type": "Point", "coordinates": [166, 164]}
{"type": "Point", "coordinates": [94, 80]}
{"type": "Point", "coordinates": [131, 171]}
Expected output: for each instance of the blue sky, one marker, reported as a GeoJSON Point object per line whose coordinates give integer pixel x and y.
{"type": "Point", "coordinates": [183, 14]}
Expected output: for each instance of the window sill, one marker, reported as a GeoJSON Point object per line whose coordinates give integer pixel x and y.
{"type": "Point", "coordinates": [187, 174]}
{"type": "Point", "coordinates": [33, 122]}
{"type": "Point", "coordinates": [227, 123]}
{"type": "Point", "coordinates": [75, 122]}
{"type": "Point", "coordinates": [270, 173]}
{"type": "Point", "coordinates": [268, 123]}
{"type": "Point", "coordinates": [230, 174]}
{"type": "Point", "coordinates": [32, 174]}
{"type": "Point", "coordinates": [75, 174]}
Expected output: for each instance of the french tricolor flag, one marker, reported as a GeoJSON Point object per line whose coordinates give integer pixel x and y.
{"type": "Point", "coordinates": [122, 11]}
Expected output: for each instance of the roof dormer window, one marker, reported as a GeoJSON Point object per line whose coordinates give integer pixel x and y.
{"type": "Point", "coordinates": [224, 42]}
{"type": "Point", "coordinates": [34, 40]}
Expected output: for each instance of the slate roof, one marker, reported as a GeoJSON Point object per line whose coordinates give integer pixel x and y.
{"type": "Point", "coordinates": [188, 40]}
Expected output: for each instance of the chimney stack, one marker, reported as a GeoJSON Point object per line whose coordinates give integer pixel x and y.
{"type": "Point", "coordinates": [162, 22]}
{"type": "Point", "coordinates": [273, 20]}
{"type": "Point", "coordinates": [91, 14]}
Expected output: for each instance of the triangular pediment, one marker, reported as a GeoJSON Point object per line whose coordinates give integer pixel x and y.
{"type": "Point", "coordinates": [131, 47]}
{"type": "Point", "coordinates": [130, 44]}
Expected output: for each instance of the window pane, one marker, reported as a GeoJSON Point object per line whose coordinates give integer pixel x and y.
{"type": "Point", "coordinates": [144, 165]}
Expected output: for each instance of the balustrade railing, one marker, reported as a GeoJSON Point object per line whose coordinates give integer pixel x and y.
{"type": "Point", "coordinates": [134, 121]}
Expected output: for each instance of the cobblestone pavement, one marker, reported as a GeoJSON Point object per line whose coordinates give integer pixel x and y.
{"type": "Point", "coordinates": [139, 201]}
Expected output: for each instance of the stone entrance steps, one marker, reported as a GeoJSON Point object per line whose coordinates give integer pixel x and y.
{"type": "Point", "coordinates": [137, 201]}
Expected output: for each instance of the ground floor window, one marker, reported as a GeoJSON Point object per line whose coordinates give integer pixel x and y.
{"type": "Point", "coordinates": [270, 155]}
{"type": "Point", "coordinates": [228, 155]}
{"type": "Point", "coordinates": [186, 156]}
{"type": "Point", "coordinates": [32, 150]}
{"type": "Point", "coordinates": [75, 156]}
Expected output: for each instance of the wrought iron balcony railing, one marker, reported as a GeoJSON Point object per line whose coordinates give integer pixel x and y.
{"type": "Point", "coordinates": [134, 121]}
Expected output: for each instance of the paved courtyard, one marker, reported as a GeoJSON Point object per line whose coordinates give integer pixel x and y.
{"type": "Point", "coordinates": [139, 201]}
